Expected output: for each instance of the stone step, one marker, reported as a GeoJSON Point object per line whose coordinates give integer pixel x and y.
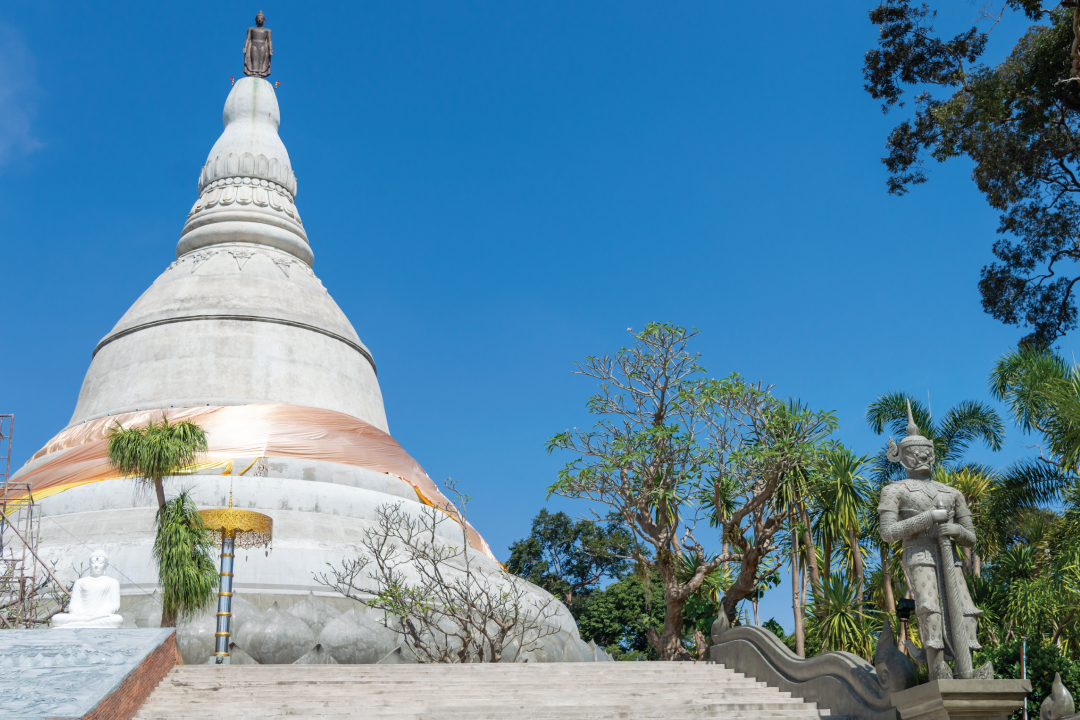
{"type": "Point", "coordinates": [403, 683]}
{"type": "Point", "coordinates": [734, 703]}
{"type": "Point", "coordinates": [358, 690]}
{"type": "Point", "coordinates": [434, 700]}
{"type": "Point", "coordinates": [564, 691]}
{"type": "Point", "coordinates": [499, 714]}
{"type": "Point", "coordinates": [358, 671]}
{"type": "Point", "coordinates": [402, 679]}
{"type": "Point", "coordinates": [532, 669]}
{"type": "Point", "coordinates": [484, 712]}
{"type": "Point", "coordinates": [547, 667]}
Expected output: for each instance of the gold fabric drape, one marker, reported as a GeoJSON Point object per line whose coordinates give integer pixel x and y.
{"type": "Point", "coordinates": [263, 430]}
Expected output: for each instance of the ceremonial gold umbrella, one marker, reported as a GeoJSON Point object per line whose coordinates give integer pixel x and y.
{"type": "Point", "coordinates": [233, 528]}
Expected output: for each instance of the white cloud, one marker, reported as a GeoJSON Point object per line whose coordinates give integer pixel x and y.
{"type": "Point", "coordinates": [18, 88]}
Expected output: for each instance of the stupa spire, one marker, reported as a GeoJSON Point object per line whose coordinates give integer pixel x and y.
{"type": "Point", "coordinates": [247, 188]}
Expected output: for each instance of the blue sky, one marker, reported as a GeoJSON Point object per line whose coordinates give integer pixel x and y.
{"type": "Point", "coordinates": [496, 190]}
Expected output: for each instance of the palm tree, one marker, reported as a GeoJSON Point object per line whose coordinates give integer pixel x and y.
{"type": "Point", "coordinates": [152, 454]}
{"type": "Point", "coordinates": [961, 425]}
{"type": "Point", "coordinates": [1043, 395]}
{"type": "Point", "coordinates": [845, 494]}
{"type": "Point", "coordinates": [184, 551]}
{"type": "Point", "coordinates": [790, 491]}
{"type": "Point", "coordinates": [156, 451]}
{"type": "Point", "coordinates": [836, 625]}
{"type": "Point", "coordinates": [977, 483]}
{"type": "Point", "coordinates": [827, 526]}
{"type": "Point", "coordinates": [798, 570]}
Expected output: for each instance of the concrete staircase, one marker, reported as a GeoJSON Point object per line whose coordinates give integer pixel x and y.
{"type": "Point", "coordinates": [557, 691]}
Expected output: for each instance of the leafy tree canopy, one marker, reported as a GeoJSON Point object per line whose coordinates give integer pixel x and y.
{"type": "Point", "coordinates": [1017, 121]}
{"type": "Point", "coordinates": [672, 445]}
{"type": "Point", "coordinates": [618, 617]}
{"type": "Point", "coordinates": [569, 558]}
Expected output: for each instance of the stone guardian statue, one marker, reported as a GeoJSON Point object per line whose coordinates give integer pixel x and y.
{"type": "Point", "coordinates": [258, 48]}
{"type": "Point", "coordinates": [94, 599]}
{"type": "Point", "coordinates": [930, 518]}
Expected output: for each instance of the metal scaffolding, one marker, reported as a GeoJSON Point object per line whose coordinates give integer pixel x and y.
{"type": "Point", "coordinates": [20, 599]}
{"type": "Point", "coordinates": [7, 429]}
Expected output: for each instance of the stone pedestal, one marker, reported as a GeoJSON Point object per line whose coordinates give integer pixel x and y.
{"type": "Point", "coordinates": [81, 672]}
{"type": "Point", "coordinates": [969, 699]}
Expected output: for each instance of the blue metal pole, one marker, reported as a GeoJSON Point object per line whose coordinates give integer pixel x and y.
{"type": "Point", "coordinates": [224, 614]}
{"type": "Point", "coordinates": [1023, 669]}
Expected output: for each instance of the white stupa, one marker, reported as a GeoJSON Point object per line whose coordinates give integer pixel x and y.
{"type": "Point", "coordinates": [240, 317]}
{"type": "Point", "coordinates": [240, 336]}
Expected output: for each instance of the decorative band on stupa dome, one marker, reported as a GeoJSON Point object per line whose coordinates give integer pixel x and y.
{"type": "Point", "coordinates": [260, 167]}
{"type": "Point", "coordinates": [246, 191]}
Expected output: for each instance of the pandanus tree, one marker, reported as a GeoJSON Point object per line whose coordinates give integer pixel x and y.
{"type": "Point", "coordinates": [182, 548]}
{"type": "Point", "coordinates": [845, 494]}
{"type": "Point", "coordinates": [790, 499]}
{"type": "Point", "coordinates": [184, 552]}
{"type": "Point", "coordinates": [837, 623]}
{"type": "Point", "coordinates": [152, 453]}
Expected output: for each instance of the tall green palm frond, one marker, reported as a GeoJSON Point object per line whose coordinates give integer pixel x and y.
{"type": "Point", "coordinates": [1064, 424]}
{"type": "Point", "coordinates": [888, 414]}
{"type": "Point", "coordinates": [845, 499]}
{"type": "Point", "coordinates": [846, 491]}
{"type": "Point", "coordinates": [1019, 378]}
{"type": "Point", "coordinates": [838, 623]}
{"type": "Point", "coordinates": [1042, 392]}
{"type": "Point", "coordinates": [791, 487]}
{"type": "Point", "coordinates": [872, 521]}
{"type": "Point", "coordinates": [982, 489]}
{"type": "Point", "coordinates": [184, 551]}
{"type": "Point", "coordinates": [156, 451]}
{"type": "Point", "coordinates": [1024, 484]}
{"type": "Point", "coordinates": [967, 422]}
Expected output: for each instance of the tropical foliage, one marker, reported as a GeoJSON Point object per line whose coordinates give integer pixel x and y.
{"type": "Point", "coordinates": [156, 451]}
{"type": "Point", "coordinates": [671, 445]}
{"type": "Point", "coordinates": [570, 558]}
{"type": "Point", "coordinates": [619, 616]}
{"type": "Point", "coordinates": [665, 456]}
{"type": "Point", "coordinates": [151, 454]}
{"type": "Point", "coordinates": [184, 551]}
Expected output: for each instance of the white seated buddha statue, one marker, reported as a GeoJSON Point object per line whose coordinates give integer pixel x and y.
{"type": "Point", "coordinates": [94, 599]}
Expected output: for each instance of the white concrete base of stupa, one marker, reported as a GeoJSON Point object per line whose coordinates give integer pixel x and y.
{"type": "Point", "coordinates": [321, 512]}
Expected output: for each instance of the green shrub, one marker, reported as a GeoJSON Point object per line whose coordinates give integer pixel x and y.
{"type": "Point", "coordinates": [1043, 660]}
